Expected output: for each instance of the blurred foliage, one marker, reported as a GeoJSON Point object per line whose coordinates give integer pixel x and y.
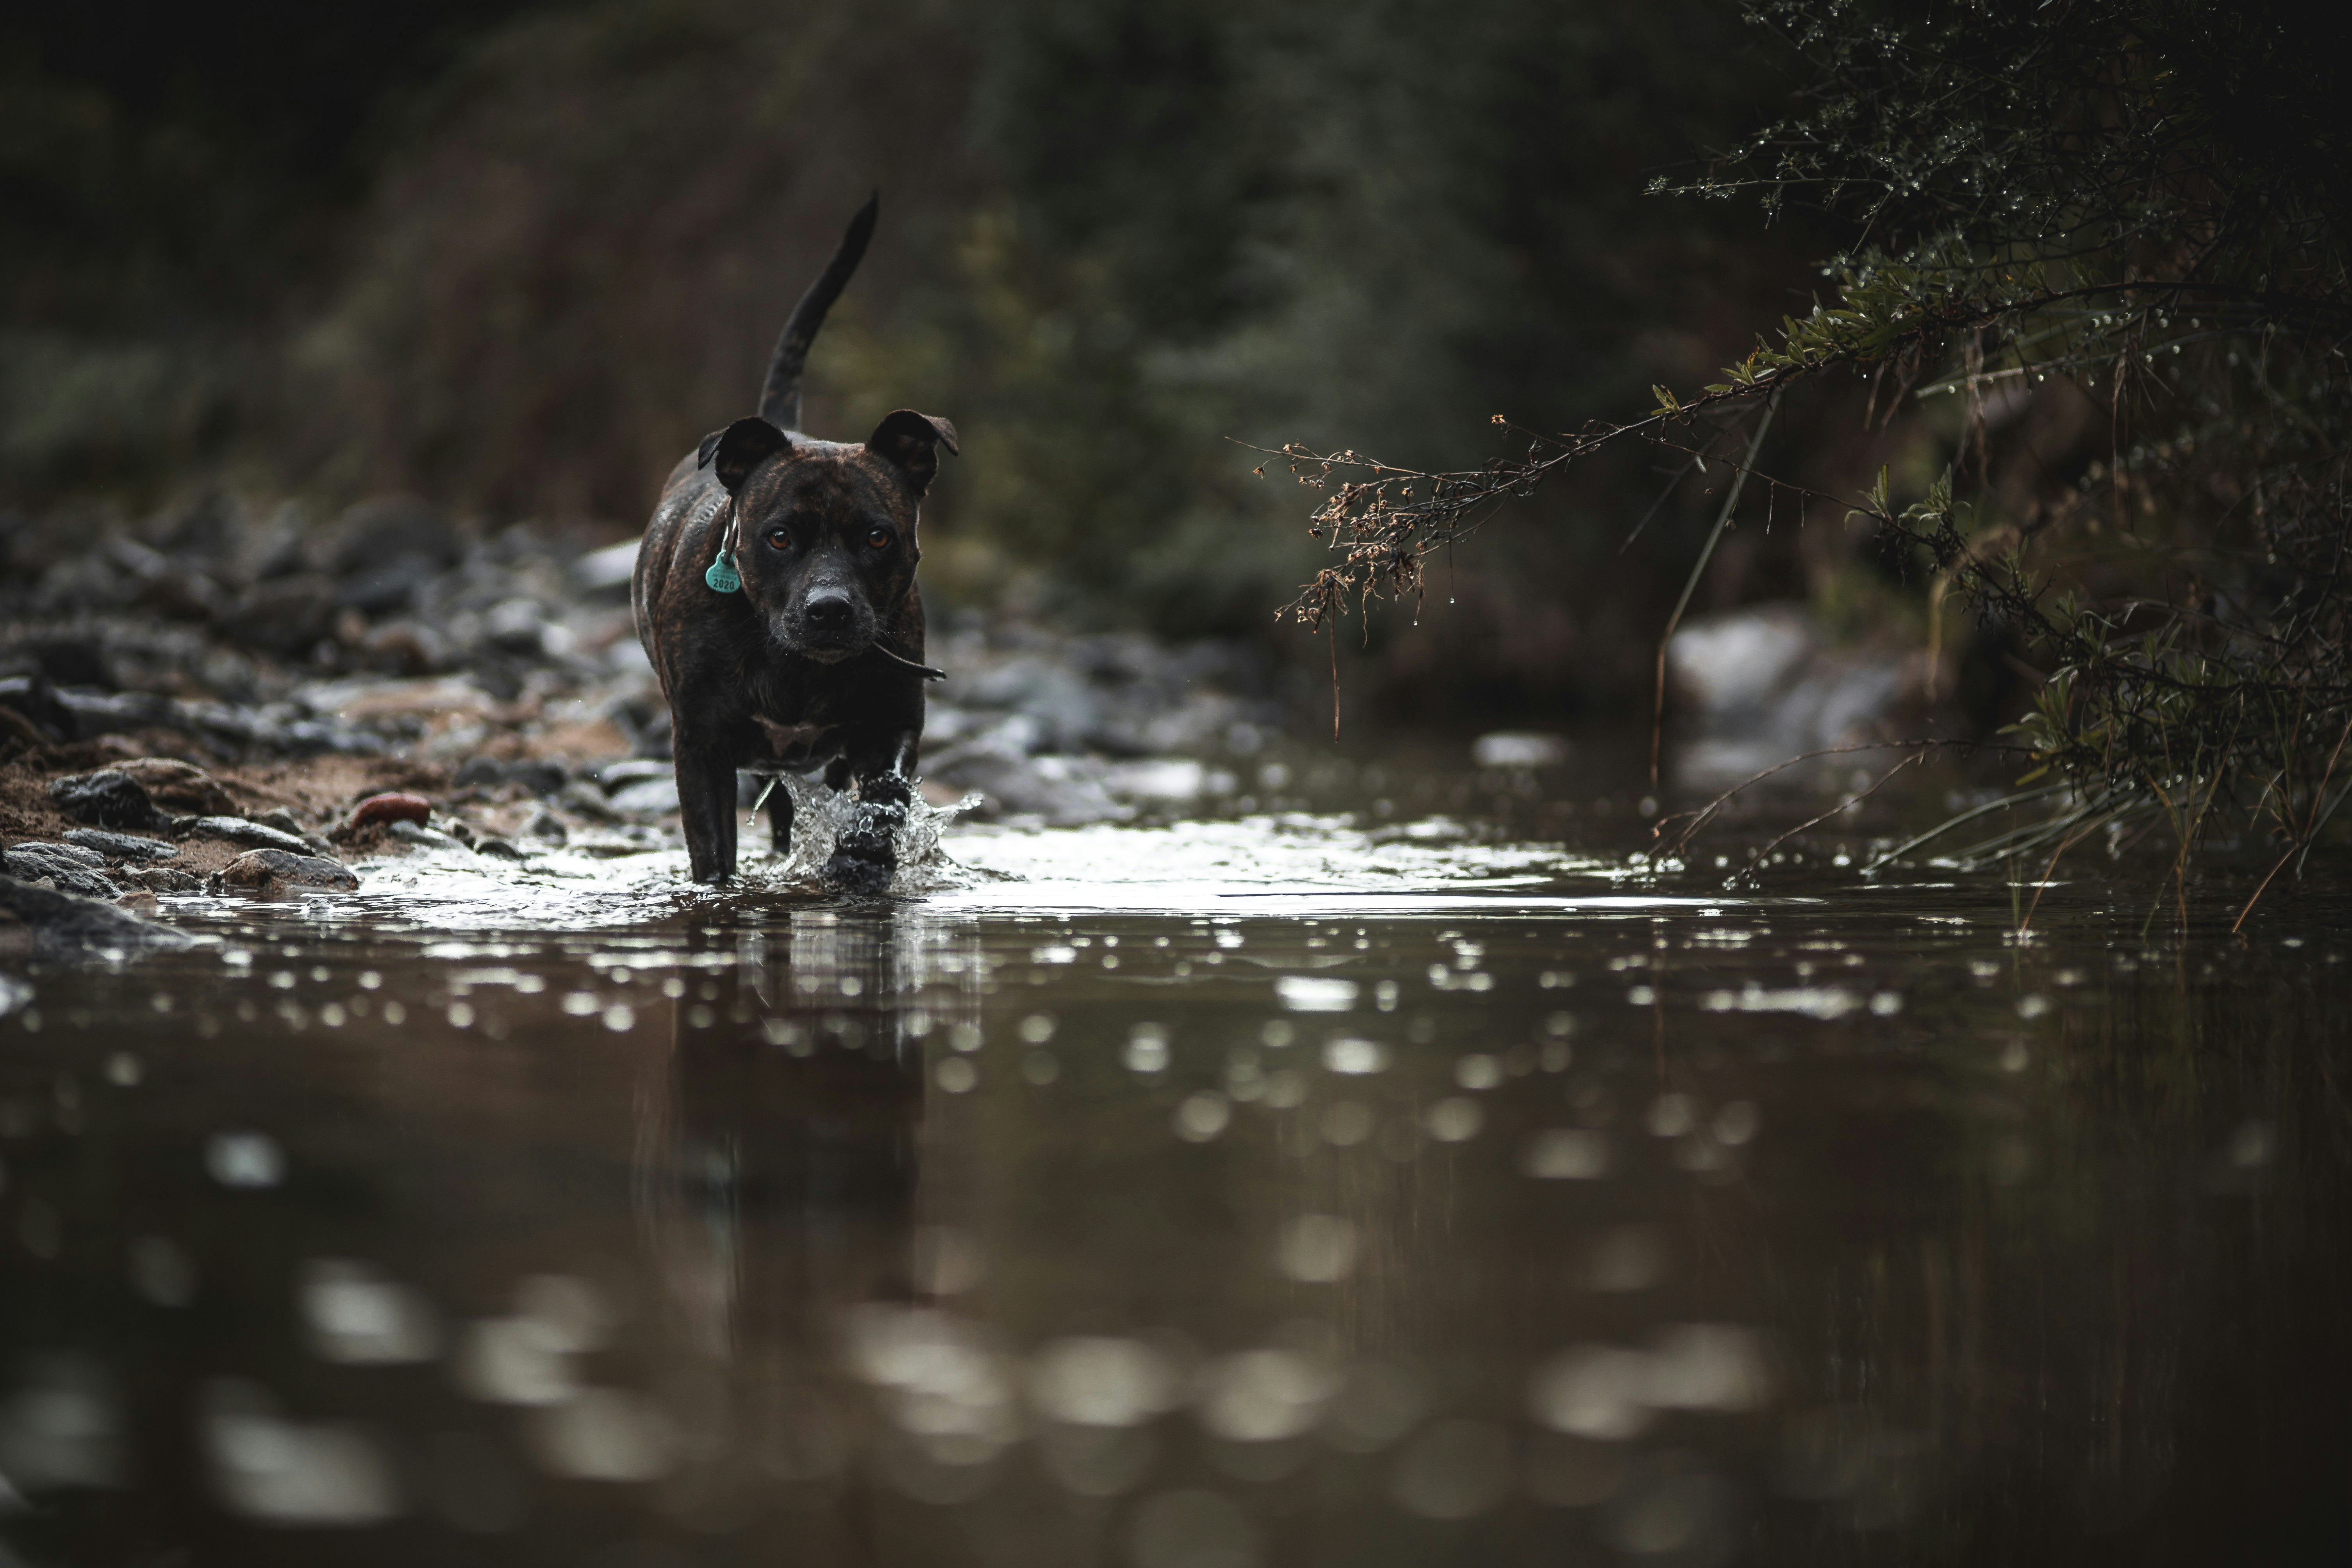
{"type": "Point", "coordinates": [2114, 235]}
{"type": "Point", "coordinates": [171, 184]}
{"type": "Point", "coordinates": [517, 261]}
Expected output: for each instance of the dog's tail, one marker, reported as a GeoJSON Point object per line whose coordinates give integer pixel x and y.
{"type": "Point", "coordinates": [779, 400]}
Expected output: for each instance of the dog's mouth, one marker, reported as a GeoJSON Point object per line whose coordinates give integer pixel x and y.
{"type": "Point", "coordinates": [825, 645]}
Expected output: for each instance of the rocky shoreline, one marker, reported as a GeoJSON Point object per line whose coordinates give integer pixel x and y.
{"type": "Point", "coordinates": [218, 682]}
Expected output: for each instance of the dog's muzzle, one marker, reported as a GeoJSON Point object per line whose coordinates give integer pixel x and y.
{"type": "Point", "coordinates": [830, 628]}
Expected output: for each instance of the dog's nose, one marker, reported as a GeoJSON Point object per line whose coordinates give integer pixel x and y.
{"type": "Point", "coordinates": [827, 612]}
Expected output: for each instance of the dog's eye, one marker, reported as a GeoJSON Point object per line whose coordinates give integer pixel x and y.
{"type": "Point", "coordinates": [779, 539]}
{"type": "Point", "coordinates": [879, 538]}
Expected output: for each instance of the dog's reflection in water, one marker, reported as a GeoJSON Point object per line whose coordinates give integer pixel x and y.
{"type": "Point", "coordinates": [775, 1191]}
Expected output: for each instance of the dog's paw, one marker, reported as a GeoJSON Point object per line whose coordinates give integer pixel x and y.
{"type": "Point", "coordinates": [865, 857]}
{"type": "Point", "coordinates": [886, 792]}
{"type": "Point", "coordinates": [861, 871]}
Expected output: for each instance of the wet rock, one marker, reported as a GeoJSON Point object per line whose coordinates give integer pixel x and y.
{"type": "Point", "coordinates": [83, 581]}
{"type": "Point", "coordinates": [70, 659]}
{"type": "Point", "coordinates": [585, 798]}
{"type": "Point", "coordinates": [547, 826]}
{"type": "Point", "coordinates": [182, 788]}
{"type": "Point", "coordinates": [607, 570]}
{"type": "Point", "coordinates": [1060, 700]}
{"type": "Point", "coordinates": [391, 808]}
{"type": "Point", "coordinates": [1201, 721]}
{"type": "Point", "coordinates": [518, 626]}
{"type": "Point", "coordinates": [1167, 783]}
{"type": "Point", "coordinates": [71, 854]}
{"type": "Point", "coordinates": [424, 837]}
{"type": "Point", "coordinates": [1518, 749]}
{"type": "Point", "coordinates": [284, 616]}
{"type": "Point", "coordinates": [118, 712]}
{"type": "Point", "coordinates": [653, 797]}
{"type": "Point", "coordinates": [1063, 791]}
{"type": "Point", "coordinates": [66, 866]}
{"type": "Point", "coordinates": [500, 849]}
{"type": "Point", "coordinates": [242, 830]}
{"type": "Point", "coordinates": [1761, 685]}
{"type": "Point", "coordinates": [410, 647]}
{"type": "Point", "coordinates": [640, 787]}
{"type": "Point", "coordinates": [618, 776]}
{"type": "Point", "coordinates": [120, 846]}
{"type": "Point", "coordinates": [653, 738]}
{"type": "Point", "coordinates": [388, 586]}
{"type": "Point", "coordinates": [276, 729]}
{"type": "Point", "coordinates": [273, 548]}
{"type": "Point", "coordinates": [108, 798]}
{"type": "Point", "coordinates": [535, 774]}
{"type": "Point", "coordinates": [184, 596]}
{"type": "Point", "coordinates": [268, 872]}
{"type": "Point", "coordinates": [174, 588]}
{"type": "Point", "coordinates": [160, 878]}
{"type": "Point", "coordinates": [32, 698]}
{"type": "Point", "coordinates": [61, 924]}
{"type": "Point", "coordinates": [14, 726]}
{"type": "Point", "coordinates": [286, 821]}
{"type": "Point", "coordinates": [386, 530]}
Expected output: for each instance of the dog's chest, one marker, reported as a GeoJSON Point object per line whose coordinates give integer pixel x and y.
{"type": "Point", "coordinates": [800, 719]}
{"type": "Point", "coordinates": [797, 742]}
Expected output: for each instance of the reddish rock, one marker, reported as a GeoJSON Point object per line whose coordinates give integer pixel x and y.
{"type": "Point", "coordinates": [392, 808]}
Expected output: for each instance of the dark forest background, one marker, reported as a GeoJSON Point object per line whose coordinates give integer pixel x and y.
{"type": "Point", "coordinates": [516, 259]}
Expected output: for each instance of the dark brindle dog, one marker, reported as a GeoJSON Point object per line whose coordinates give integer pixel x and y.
{"type": "Point", "coordinates": [775, 594]}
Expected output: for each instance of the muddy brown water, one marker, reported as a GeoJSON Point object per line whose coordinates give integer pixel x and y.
{"type": "Point", "coordinates": [1213, 1196]}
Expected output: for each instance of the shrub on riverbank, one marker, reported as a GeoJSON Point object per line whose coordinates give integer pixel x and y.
{"type": "Point", "coordinates": [2111, 239]}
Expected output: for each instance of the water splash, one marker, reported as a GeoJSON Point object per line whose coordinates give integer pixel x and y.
{"type": "Point", "coordinates": [821, 815]}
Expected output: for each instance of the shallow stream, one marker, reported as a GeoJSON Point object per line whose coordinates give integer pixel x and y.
{"type": "Point", "coordinates": [1269, 1190]}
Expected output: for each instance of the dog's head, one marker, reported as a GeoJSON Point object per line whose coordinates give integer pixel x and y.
{"type": "Point", "coordinates": [824, 533]}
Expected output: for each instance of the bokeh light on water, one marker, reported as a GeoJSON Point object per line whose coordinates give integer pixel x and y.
{"type": "Point", "coordinates": [1481, 1209]}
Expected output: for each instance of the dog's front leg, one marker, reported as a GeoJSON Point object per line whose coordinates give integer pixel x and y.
{"type": "Point", "coordinates": [865, 856]}
{"type": "Point", "coordinates": [706, 802]}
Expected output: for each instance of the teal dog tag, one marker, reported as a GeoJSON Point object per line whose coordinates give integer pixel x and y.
{"type": "Point", "coordinates": [721, 576]}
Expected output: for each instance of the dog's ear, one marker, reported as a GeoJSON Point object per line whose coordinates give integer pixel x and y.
{"type": "Point", "coordinates": [743, 447]}
{"type": "Point", "coordinates": [909, 443]}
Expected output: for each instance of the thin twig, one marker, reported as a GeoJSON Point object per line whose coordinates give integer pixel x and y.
{"type": "Point", "coordinates": [1722, 519]}
{"type": "Point", "coordinates": [1688, 463]}
{"type": "Point", "coordinates": [1846, 805]}
{"type": "Point", "coordinates": [1699, 818]}
{"type": "Point", "coordinates": [2309, 833]}
{"type": "Point", "coordinates": [2027, 923]}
